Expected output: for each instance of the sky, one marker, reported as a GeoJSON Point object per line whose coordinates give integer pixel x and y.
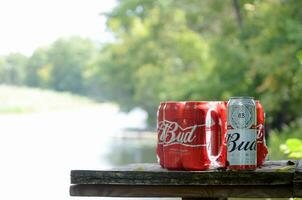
{"type": "Point", "coordinates": [28, 24]}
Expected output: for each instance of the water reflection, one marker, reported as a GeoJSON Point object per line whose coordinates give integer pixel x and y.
{"type": "Point", "coordinates": [132, 150]}
{"type": "Point", "coordinates": [42, 148]}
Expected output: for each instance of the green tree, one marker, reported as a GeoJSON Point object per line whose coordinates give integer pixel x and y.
{"type": "Point", "coordinates": [13, 69]}
{"type": "Point", "coordinates": [2, 69]}
{"type": "Point", "coordinates": [36, 69]}
{"type": "Point", "coordinates": [273, 36]}
{"type": "Point", "coordinates": [68, 59]}
{"type": "Point", "coordinates": [204, 50]}
{"type": "Point", "coordinates": [154, 58]}
{"type": "Point", "coordinates": [63, 66]}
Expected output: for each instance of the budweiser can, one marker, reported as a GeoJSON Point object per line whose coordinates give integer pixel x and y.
{"type": "Point", "coordinates": [203, 135]}
{"type": "Point", "coordinates": [191, 135]}
{"type": "Point", "coordinates": [160, 133]}
{"type": "Point", "coordinates": [173, 118]}
{"type": "Point", "coordinates": [262, 150]}
{"type": "Point", "coordinates": [221, 154]}
{"type": "Point", "coordinates": [241, 133]}
{"type": "Point", "coordinates": [195, 145]}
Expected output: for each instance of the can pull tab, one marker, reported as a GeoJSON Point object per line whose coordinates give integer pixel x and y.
{"type": "Point", "coordinates": [213, 136]}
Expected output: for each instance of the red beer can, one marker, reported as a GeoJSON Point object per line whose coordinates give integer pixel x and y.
{"type": "Point", "coordinates": [191, 135]}
{"type": "Point", "coordinates": [173, 117]}
{"type": "Point", "coordinates": [222, 146]}
{"type": "Point", "coordinates": [202, 136]}
{"type": "Point", "coordinates": [262, 150]}
{"type": "Point", "coordinates": [160, 133]}
{"type": "Point", "coordinates": [194, 149]}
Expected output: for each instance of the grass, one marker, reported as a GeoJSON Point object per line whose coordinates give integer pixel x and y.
{"type": "Point", "coordinates": [14, 100]}
{"type": "Point", "coordinates": [277, 138]}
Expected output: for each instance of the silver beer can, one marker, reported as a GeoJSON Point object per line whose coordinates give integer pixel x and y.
{"type": "Point", "coordinates": [241, 133]}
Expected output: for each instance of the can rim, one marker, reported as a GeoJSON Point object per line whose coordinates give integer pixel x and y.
{"type": "Point", "coordinates": [242, 97]}
{"type": "Point", "coordinates": [171, 102]}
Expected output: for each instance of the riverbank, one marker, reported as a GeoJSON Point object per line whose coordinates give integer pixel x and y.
{"type": "Point", "coordinates": [20, 100]}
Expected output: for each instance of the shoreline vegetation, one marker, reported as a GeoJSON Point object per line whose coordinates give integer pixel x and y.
{"type": "Point", "coordinates": [15, 100]}
{"type": "Point", "coordinates": [23, 100]}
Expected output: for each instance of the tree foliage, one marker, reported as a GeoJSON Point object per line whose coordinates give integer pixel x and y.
{"type": "Point", "coordinates": [180, 50]}
{"type": "Point", "coordinates": [63, 66]}
{"type": "Point", "coordinates": [205, 50]}
{"type": "Point", "coordinates": [12, 69]}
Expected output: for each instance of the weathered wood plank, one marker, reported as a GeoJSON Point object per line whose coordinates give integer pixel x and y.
{"type": "Point", "coordinates": [268, 166]}
{"type": "Point", "coordinates": [298, 180]}
{"type": "Point", "coordinates": [201, 198]}
{"type": "Point", "coordinates": [279, 163]}
{"type": "Point", "coordinates": [206, 198]}
{"type": "Point", "coordinates": [277, 173]}
{"type": "Point", "coordinates": [182, 191]}
{"type": "Point", "coordinates": [181, 178]}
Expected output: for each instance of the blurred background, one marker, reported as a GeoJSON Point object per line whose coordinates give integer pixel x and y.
{"type": "Point", "coordinates": [80, 81]}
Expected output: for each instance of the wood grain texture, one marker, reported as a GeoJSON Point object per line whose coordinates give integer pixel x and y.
{"type": "Point", "coordinates": [181, 191]}
{"type": "Point", "coordinates": [152, 174]}
{"type": "Point", "coordinates": [298, 180]}
{"type": "Point", "coordinates": [200, 198]}
{"type": "Point", "coordinates": [275, 179]}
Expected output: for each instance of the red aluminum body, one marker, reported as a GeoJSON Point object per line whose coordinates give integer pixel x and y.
{"type": "Point", "coordinates": [194, 148]}
{"type": "Point", "coordinates": [160, 135]}
{"type": "Point", "coordinates": [191, 135]}
{"type": "Point", "coordinates": [173, 113]}
{"type": "Point", "coordinates": [262, 150]}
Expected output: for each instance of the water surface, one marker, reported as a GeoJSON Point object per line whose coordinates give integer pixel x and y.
{"type": "Point", "coordinates": [39, 150]}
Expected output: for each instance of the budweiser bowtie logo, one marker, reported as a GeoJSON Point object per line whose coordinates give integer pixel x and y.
{"type": "Point", "coordinates": [172, 132]}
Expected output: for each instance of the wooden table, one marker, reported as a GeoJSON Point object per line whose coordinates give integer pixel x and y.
{"type": "Point", "coordinates": [274, 179]}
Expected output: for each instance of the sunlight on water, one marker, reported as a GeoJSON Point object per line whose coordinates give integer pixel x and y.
{"type": "Point", "coordinates": [39, 150]}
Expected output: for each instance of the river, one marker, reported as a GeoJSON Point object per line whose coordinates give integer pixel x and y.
{"type": "Point", "coordinates": [38, 150]}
